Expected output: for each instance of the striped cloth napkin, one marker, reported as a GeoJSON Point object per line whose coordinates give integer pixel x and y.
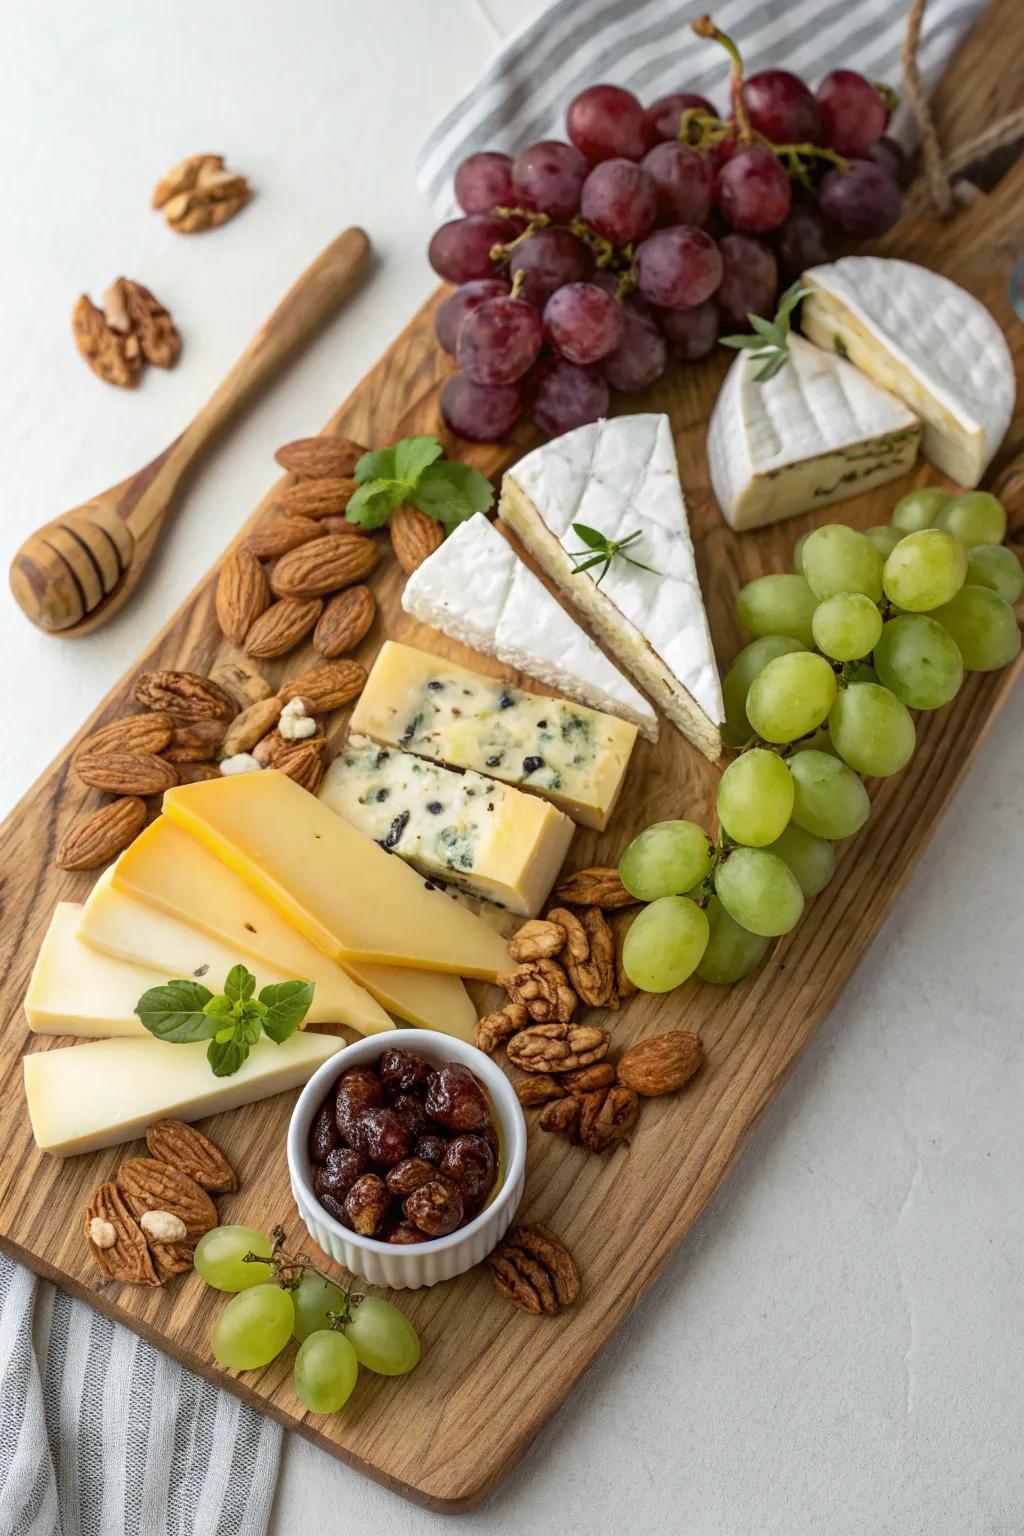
{"type": "Point", "coordinates": [647, 45]}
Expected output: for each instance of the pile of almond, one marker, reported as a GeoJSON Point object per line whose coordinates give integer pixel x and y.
{"type": "Point", "coordinates": [143, 1226]}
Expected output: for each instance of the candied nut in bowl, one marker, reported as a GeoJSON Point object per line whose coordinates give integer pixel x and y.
{"type": "Point", "coordinates": [402, 1261]}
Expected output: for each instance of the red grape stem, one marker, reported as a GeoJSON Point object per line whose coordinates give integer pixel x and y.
{"type": "Point", "coordinates": [710, 130]}
{"type": "Point", "coordinates": [705, 27]}
{"type": "Point", "coordinates": [793, 155]}
{"type": "Point", "coordinates": [518, 284]}
{"type": "Point", "coordinates": [890, 98]}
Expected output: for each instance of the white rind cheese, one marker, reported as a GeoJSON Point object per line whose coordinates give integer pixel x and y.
{"type": "Point", "coordinates": [458, 828]}
{"type": "Point", "coordinates": [85, 1097]}
{"type": "Point", "coordinates": [475, 588]}
{"type": "Point", "coordinates": [76, 990]}
{"type": "Point", "coordinates": [919, 335]}
{"type": "Point", "coordinates": [573, 756]}
{"type": "Point", "coordinates": [815, 433]}
{"type": "Point", "coordinates": [621, 477]}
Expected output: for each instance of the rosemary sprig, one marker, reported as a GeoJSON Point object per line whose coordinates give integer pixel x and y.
{"type": "Point", "coordinates": [602, 550]}
{"type": "Point", "coordinates": [769, 344]}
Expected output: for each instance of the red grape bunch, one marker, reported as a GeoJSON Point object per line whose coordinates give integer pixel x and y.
{"type": "Point", "coordinates": [581, 267]}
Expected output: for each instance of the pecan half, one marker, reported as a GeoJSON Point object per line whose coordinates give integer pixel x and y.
{"type": "Point", "coordinates": [538, 1089]}
{"type": "Point", "coordinates": [537, 940]}
{"type": "Point", "coordinates": [183, 177]}
{"type": "Point", "coordinates": [185, 696]}
{"type": "Point", "coordinates": [535, 1271]}
{"type": "Point", "coordinates": [661, 1063]}
{"type": "Point", "coordinates": [584, 1079]}
{"type": "Point", "coordinates": [188, 1150]}
{"type": "Point", "coordinates": [148, 1184]}
{"type": "Point", "coordinates": [114, 358]}
{"type": "Point", "coordinates": [557, 1048]}
{"type": "Point", "coordinates": [598, 886]}
{"type": "Point", "coordinates": [495, 1027]}
{"type": "Point", "coordinates": [170, 1259]}
{"type": "Point", "coordinates": [127, 1257]}
{"type": "Point", "coordinates": [589, 955]}
{"type": "Point", "coordinates": [543, 989]}
{"type": "Point", "coordinates": [133, 311]}
{"type": "Point", "coordinates": [595, 1120]}
{"type": "Point", "coordinates": [198, 193]}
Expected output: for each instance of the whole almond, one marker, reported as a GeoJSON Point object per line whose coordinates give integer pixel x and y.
{"type": "Point", "coordinates": [303, 762]}
{"type": "Point", "coordinates": [317, 498]}
{"type": "Point", "coordinates": [196, 743]}
{"type": "Point", "coordinates": [242, 594]}
{"type": "Point", "coordinates": [135, 733]}
{"type": "Point", "coordinates": [282, 626]}
{"type": "Point", "coordinates": [185, 696]}
{"type": "Point", "coordinates": [196, 773]}
{"type": "Point", "coordinates": [247, 728]}
{"type": "Point", "coordinates": [240, 680]}
{"type": "Point", "coordinates": [127, 773]}
{"type": "Point", "coordinates": [329, 686]}
{"type": "Point", "coordinates": [338, 560]}
{"type": "Point", "coordinates": [414, 536]}
{"type": "Point", "coordinates": [281, 534]}
{"type": "Point", "coordinates": [661, 1063]}
{"type": "Point", "coordinates": [319, 458]}
{"type": "Point", "coordinates": [344, 622]}
{"type": "Point", "coordinates": [99, 836]}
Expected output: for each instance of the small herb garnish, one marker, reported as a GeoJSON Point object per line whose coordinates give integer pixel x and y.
{"type": "Point", "coordinates": [415, 471]}
{"type": "Point", "coordinates": [232, 1021]}
{"type": "Point", "coordinates": [770, 342]}
{"type": "Point", "coordinates": [601, 550]}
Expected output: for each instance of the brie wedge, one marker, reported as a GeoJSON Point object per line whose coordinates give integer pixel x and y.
{"type": "Point", "coordinates": [816, 433]}
{"type": "Point", "coordinates": [931, 343]}
{"type": "Point", "coordinates": [620, 477]}
{"type": "Point", "coordinates": [477, 590]}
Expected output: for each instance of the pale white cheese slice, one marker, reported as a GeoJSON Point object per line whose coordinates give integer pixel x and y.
{"type": "Point", "coordinates": [475, 588]}
{"type": "Point", "coordinates": [621, 477]}
{"type": "Point", "coordinates": [817, 432]}
{"type": "Point", "coordinates": [76, 990]}
{"type": "Point", "coordinates": [918, 334]}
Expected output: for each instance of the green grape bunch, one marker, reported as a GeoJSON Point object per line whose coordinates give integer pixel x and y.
{"type": "Point", "coordinates": [867, 628]}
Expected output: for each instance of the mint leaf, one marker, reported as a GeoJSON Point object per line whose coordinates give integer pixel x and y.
{"type": "Point", "coordinates": [240, 984]}
{"type": "Point", "coordinates": [413, 455]}
{"type": "Point", "coordinates": [374, 502]}
{"type": "Point", "coordinates": [250, 1022]}
{"type": "Point", "coordinates": [376, 465]}
{"type": "Point", "coordinates": [451, 493]}
{"type": "Point", "coordinates": [287, 1003]}
{"type": "Point", "coordinates": [175, 1012]}
{"type": "Point", "coordinates": [590, 536]}
{"type": "Point", "coordinates": [220, 1007]}
{"type": "Point", "coordinates": [226, 1058]}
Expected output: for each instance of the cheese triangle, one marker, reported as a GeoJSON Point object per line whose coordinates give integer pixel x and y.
{"type": "Point", "coordinates": [621, 477]}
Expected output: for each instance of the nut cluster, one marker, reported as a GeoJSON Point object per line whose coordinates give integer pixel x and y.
{"type": "Point", "coordinates": [198, 193]}
{"type": "Point", "coordinates": [131, 329]}
{"type": "Point", "coordinates": [143, 1226]}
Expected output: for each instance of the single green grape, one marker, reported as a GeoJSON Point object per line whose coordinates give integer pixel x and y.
{"type": "Point", "coordinates": [664, 945]}
{"type": "Point", "coordinates": [995, 566]}
{"type": "Point", "coordinates": [918, 661]}
{"type": "Point", "coordinates": [883, 538]}
{"type": "Point", "coordinates": [383, 1338]}
{"type": "Point", "coordinates": [791, 696]}
{"type": "Point", "coordinates": [839, 559]}
{"type": "Point", "coordinates": [976, 517]}
{"type": "Point", "coordinates": [732, 952]}
{"type": "Point", "coordinates": [984, 627]}
{"type": "Point", "coordinates": [872, 730]}
{"type": "Point", "coordinates": [736, 683]}
{"type": "Point", "coordinates": [812, 859]}
{"type": "Point", "coordinates": [253, 1328]}
{"type": "Point", "coordinates": [918, 509]}
{"type": "Point", "coordinates": [759, 891]}
{"type": "Point", "coordinates": [326, 1371]}
{"type": "Point", "coordinates": [925, 570]}
{"type": "Point", "coordinates": [313, 1298]}
{"type": "Point", "coordinates": [798, 551]}
{"type": "Point", "coordinates": [666, 859]}
{"type": "Point", "coordinates": [755, 797]}
{"type": "Point", "coordinates": [777, 605]}
{"type": "Point", "coordinates": [220, 1258]}
{"type": "Point", "coordinates": [828, 797]}
{"type": "Point", "coordinates": [846, 625]}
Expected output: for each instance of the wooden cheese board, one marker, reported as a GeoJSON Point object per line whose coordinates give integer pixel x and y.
{"type": "Point", "coordinates": [491, 1376]}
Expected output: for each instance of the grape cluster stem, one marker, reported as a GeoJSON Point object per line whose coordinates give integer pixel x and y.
{"type": "Point", "coordinates": [288, 1270]}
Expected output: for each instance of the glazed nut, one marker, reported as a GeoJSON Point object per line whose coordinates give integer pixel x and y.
{"type": "Point", "coordinates": [661, 1063]}
{"type": "Point", "coordinates": [562, 1117]}
{"type": "Point", "coordinates": [163, 1226]}
{"type": "Point", "coordinates": [495, 1027]}
{"type": "Point", "coordinates": [585, 1079]}
{"type": "Point", "coordinates": [538, 1089]}
{"type": "Point", "coordinates": [598, 886]}
{"type": "Point", "coordinates": [589, 955]}
{"type": "Point", "coordinates": [537, 940]}
{"type": "Point", "coordinates": [607, 1115]}
{"type": "Point", "coordinates": [535, 1271]}
{"type": "Point", "coordinates": [557, 1048]}
{"type": "Point", "coordinates": [543, 989]}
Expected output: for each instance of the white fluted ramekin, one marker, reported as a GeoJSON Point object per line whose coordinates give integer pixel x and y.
{"type": "Point", "coordinates": [440, 1258]}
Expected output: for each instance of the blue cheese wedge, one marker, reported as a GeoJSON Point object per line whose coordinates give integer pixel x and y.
{"type": "Point", "coordinates": [817, 432]}
{"type": "Point", "coordinates": [620, 478]}
{"type": "Point", "coordinates": [475, 588]}
{"type": "Point", "coordinates": [935, 346]}
{"type": "Point", "coordinates": [573, 756]}
{"type": "Point", "coordinates": [457, 828]}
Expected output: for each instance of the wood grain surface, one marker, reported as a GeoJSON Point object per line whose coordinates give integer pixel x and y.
{"type": "Point", "coordinates": [491, 1376]}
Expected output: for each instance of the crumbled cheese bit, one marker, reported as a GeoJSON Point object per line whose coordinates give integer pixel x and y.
{"type": "Point", "coordinates": [295, 722]}
{"type": "Point", "coordinates": [242, 762]}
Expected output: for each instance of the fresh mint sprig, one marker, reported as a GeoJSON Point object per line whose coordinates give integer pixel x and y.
{"type": "Point", "coordinates": [416, 471]}
{"type": "Point", "coordinates": [602, 550]}
{"type": "Point", "coordinates": [185, 1011]}
{"type": "Point", "coordinates": [769, 343]}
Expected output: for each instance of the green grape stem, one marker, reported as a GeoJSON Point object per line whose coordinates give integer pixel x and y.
{"type": "Point", "coordinates": [288, 1269]}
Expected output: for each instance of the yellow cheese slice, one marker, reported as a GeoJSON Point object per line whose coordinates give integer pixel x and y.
{"type": "Point", "coordinates": [76, 990]}
{"type": "Point", "coordinates": [167, 895]}
{"type": "Point", "coordinates": [84, 1097]}
{"type": "Point", "coordinates": [335, 885]}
